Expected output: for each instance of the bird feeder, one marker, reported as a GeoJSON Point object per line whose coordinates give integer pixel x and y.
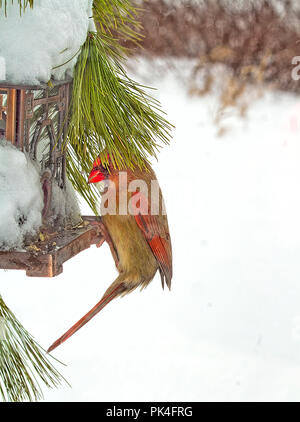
{"type": "Point", "coordinates": [31, 117]}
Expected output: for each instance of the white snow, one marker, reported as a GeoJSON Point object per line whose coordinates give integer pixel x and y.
{"type": "Point", "coordinates": [22, 202]}
{"type": "Point", "coordinates": [21, 197]}
{"type": "Point", "coordinates": [230, 327]}
{"type": "Point", "coordinates": [64, 206]}
{"type": "Point", "coordinates": [44, 37]}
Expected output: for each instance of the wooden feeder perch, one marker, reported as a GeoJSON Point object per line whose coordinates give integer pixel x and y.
{"type": "Point", "coordinates": [31, 116]}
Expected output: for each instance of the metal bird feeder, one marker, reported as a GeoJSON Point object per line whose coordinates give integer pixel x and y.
{"type": "Point", "coordinates": [31, 116]}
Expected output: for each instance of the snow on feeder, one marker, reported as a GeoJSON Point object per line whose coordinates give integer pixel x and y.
{"type": "Point", "coordinates": [34, 119]}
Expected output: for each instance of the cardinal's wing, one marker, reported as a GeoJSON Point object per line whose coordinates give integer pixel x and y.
{"type": "Point", "coordinates": [156, 231]}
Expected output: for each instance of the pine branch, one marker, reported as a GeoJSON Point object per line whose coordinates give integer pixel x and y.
{"type": "Point", "coordinates": [23, 363]}
{"type": "Point", "coordinates": [117, 19]}
{"type": "Point", "coordinates": [109, 112]}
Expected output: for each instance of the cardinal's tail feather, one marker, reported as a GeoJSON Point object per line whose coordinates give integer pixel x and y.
{"type": "Point", "coordinates": [162, 277]}
{"type": "Point", "coordinates": [109, 295]}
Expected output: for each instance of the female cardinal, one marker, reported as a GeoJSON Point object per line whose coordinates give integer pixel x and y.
{"type": "Point", "coordinates": [138, 233]}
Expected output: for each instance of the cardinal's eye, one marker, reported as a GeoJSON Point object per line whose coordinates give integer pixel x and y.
{"type": "Point", "coordinates": [104, 170]}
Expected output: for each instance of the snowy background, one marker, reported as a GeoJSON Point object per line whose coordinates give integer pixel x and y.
{"type": "Point", "coordinates": [230, 327]}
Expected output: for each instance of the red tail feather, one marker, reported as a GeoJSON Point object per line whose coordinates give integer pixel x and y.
{"type": "Point", "coordinates": [94, 311]}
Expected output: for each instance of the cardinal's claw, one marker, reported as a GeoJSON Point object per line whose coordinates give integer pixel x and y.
{"type": "Point", "coordinates": [98, 245]}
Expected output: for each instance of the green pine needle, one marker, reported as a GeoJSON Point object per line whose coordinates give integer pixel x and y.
{"type": "Point", "coordinates": [117, 17]}
{"type": "Point", "coordinates": [109, 112]}
{"type": "Point", "coordinates": [23, 363]}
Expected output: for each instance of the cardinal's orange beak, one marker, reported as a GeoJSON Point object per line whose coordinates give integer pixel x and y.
{"type": "Point", "coordinates": [96, 176]}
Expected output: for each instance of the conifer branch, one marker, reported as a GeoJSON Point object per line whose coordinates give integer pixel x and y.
{"type": "Point", "coordinates": [23, 363]}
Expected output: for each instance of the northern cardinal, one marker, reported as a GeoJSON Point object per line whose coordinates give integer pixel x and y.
{"type": "Point", "coordinates": [139, 240]}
